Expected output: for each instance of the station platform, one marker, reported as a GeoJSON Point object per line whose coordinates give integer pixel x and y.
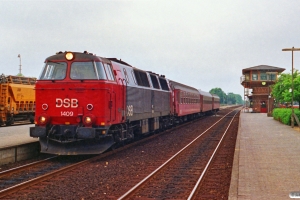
{"type": "Point", "coordinates": [267, 159]}
{"type": "Point", "coordinates": [15, 135]}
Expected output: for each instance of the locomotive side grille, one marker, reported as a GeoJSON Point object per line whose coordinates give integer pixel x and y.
{"type": "Point", "coordinates": [147, 103]}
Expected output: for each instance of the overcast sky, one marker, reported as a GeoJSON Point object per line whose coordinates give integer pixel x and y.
{"type": "Point", "coordinates": [204, 43]}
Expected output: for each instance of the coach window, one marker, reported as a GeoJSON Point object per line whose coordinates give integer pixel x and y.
{"type": "Point", "coordinates": [100, 70]}
{"type": "Point", "coordinates": [109, 73]}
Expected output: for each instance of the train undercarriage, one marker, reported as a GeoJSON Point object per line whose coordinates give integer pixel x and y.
{"type": "Point", "coordinates": [75, 140]}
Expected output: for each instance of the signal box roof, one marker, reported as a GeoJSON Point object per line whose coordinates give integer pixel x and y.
{"type": "Point", "coordinates": [264, 68]}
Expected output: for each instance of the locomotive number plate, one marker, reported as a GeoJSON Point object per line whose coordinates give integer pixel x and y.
{"type": "Point", "coordinates": [66, 113]}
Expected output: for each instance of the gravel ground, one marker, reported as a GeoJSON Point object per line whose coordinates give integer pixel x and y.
{"type": "Point", "coordinates": [108, 178]}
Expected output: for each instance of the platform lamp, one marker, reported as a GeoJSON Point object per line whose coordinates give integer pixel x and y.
{"type": "Point", "coordinates": [292, 50]}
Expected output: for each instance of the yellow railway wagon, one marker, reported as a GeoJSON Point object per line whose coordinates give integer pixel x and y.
{"type": "Point", "coordinates": [17, 99]}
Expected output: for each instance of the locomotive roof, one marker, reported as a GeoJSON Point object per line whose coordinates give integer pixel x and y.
{"type": "Point", "coordinates": [119, 61]}
{"type": "Point", "coordinates": [78, 55]}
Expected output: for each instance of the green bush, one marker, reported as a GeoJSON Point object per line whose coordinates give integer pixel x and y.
{"type": "Point", "coordinates": [284, 115]}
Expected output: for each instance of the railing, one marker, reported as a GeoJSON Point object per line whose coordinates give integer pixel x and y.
{"type": "Point", "coordinates": [242, 79]}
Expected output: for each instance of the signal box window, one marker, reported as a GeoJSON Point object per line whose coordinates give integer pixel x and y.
{"type": "Point", "coordinates": [272, 77]}
{"type": "Point", "coordinates": [154, 81]}
{"type": "Point", "coordinates": [254, 77]}
{"type": "Point", "coordinates": [54, 71]}
{"type": "Point", "coordinates": [263, 76]}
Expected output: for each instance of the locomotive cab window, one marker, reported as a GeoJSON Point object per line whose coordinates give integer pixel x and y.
{"type": "Point", "coordinates": [100, 70]}
{"type": "Point", "coordinates": [83, 71]}
{"type": "Point", "coordinates": [109, 73]}
{"type": "Point", "coordinates": [54, 71]}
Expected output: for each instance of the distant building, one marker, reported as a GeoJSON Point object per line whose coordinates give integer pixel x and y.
{"type": "Point", "coordinates": [257, 91]}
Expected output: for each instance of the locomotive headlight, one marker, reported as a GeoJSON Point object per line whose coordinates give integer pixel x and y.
{"type": "Point", "coordinates": [89, 120]}
{"type": "Point", "coordinates": [42, 119]}
{"type": "Point", "coordinates": [69, 56]}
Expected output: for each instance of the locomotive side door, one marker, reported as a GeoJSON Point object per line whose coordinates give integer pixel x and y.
{"type": "Point", "coordinates": [119, 96]}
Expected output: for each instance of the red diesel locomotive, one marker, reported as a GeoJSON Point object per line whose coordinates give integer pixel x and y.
{"type": "Point", "coordinates": [85, 104]}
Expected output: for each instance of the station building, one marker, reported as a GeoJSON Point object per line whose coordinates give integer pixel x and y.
{"type": "Point", "coordinates": [257, 83]}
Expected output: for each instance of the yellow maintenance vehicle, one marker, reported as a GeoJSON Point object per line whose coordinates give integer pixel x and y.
{"type": "Point", "coordinates": [17, 99]}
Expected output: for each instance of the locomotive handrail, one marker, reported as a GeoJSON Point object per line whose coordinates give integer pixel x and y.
{"type": "Point", "coordinates": [49, 88]}
{"type": "Point", "coordinates": [124, 102]}
{"type": "Point", "coordinates": [89, 89]}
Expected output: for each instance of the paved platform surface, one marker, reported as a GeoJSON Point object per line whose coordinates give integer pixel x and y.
{"type": "Point", "coordinates": [267, 159]}
{"type": "Point", "coordinates": [15, 135]}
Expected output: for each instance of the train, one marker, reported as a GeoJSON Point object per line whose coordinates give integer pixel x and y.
{"type": "Point", "coordinates": [17, 99]}
{"type": "Point", "coordinates": [86, 104]}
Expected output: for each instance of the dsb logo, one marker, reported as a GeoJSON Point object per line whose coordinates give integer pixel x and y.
{"type": "Point", "coordinates": [73, 103]}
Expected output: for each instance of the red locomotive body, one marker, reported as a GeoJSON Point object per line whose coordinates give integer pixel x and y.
{"type": "Point", "coordinates": [86, 104]}
{"type": "Point", "coordinates": [78, 94]}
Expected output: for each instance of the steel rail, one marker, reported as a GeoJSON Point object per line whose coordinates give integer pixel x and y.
{"type": "Point", "coordinates": [208, 163]}
{"type": "Point", "coordinates": [36, 180]}
{"type": "Point", "coordinates": [130, 192]}
{"type": "Point", "coordinates": [16, 169]}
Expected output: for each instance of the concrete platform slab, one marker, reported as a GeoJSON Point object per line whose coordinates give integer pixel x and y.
{"type": "Point", "coordinates": [15, 135]}
{"type": "Point", "coordinates": [267, 159]}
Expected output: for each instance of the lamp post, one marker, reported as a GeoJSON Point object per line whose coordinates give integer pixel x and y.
{"type": "Point", "coordinates": [292, 50]}
{"type": "Point", "coordinates": [20, 69]}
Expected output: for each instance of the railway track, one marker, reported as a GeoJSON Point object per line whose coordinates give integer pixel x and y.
{"type": "Point", "coordinates": [182, 176]}
{"type": "Point", "coordinates": [73, 171]}
{"type": "Point", "coordinates": [26, 175]}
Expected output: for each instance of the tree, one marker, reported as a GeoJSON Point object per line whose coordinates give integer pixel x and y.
{"type": "Point", "coordinates": [231, 98]}
{"type": "Point", "coordinates": [239, 99]}
{"type": "Point", "coordinates": [281, 89]}
{"type": "Point", "coordinates": [220, 93]}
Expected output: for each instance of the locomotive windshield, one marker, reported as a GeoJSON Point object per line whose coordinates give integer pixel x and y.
{"type": "Point", "coordinates": [87, 70]}
{"type": "Point", "coordinates": [54, 71]}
